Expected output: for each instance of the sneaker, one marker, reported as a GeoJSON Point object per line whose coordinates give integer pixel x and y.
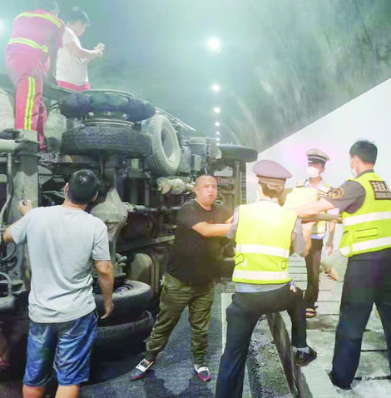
{"type": "Point", "coordinates": [310, 312]}
{"type": "Point", "coordinates": [203, 372]}
{"type": "Point", "coordinates": [139, 371]}
{"type": "Point", "coordinates": [303, 359]}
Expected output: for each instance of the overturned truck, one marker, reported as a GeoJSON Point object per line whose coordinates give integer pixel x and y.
{"type": "Point", "coordinates": [147, 162]}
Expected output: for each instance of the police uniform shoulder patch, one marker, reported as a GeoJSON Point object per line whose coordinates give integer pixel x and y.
{"type": "Point", "coordinates": [336, 193]}
{"type": "Point", "coordinates": [381, 190]}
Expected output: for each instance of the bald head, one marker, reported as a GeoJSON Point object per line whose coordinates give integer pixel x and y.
{"type": "Point", "coordinates": [206, 190]}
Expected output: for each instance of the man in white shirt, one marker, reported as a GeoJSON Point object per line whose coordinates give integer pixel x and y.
{"type": "Point", "coordinates": [63, 243]}
{"type": "Point", "coordinates": [72, 58]}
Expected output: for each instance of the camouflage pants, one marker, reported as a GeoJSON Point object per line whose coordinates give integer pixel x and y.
{"type": "Point", "coordinates": [175, 297]}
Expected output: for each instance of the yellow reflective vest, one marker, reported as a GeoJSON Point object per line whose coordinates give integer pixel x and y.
{"type": "Point", "coordinates": [263, 242]}
{"type": "Point", "coordinates": [321, 226]}
{"type": "Point", "coordinates": [369, 228]}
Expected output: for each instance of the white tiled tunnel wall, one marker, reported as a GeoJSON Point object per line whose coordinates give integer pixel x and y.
{"type": "Point", "coordinates": [366, 117]}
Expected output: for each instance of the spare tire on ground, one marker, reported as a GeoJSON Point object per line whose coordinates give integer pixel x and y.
{"type": "Point", "coordinates": [238, 152]}
{"type": "Point", "coordinates": [102, 139]}
{"type": "Point", "coordinates": [166, 152]}
{"type": "Point", "coordinates": [133, 298]}
{"type": "Point", "coordinates": [126, 333]}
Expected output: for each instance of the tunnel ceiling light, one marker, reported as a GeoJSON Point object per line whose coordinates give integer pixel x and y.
{"type": "Point", "coordinates": [217, 109]}
{"type": "Point", "coordinates": [216, 88]}
{"type": "Point", "coordinates": [217, 124]}
{"type": "Point", "coordinates": [217, 132]}
{"type": "Point", "coordinates": [214, 44]}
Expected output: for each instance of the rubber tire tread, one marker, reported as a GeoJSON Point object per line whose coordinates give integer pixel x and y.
{"type": "Point", "coordinates": [133, 301]}
{"type": "Point", "coordinates": [239, 152]}
{"type": "Point", "coordinates": [98, 140]}
{"type": "Point", "coordinates": [126, 333]}
{"type": "Point", "coordinates": [157, 161]}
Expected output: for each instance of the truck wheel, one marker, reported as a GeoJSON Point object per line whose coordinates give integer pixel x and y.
{"type": "Point", "coordinates": [239, 152]}
{"type": "Point", "coordinates": [103, 139]}
{"type": "Point", "coordinates": [133, 298]}
{"type": "Point", "coordinates": [109, 336]}
{"type": "Point", "coordinates": [166, 152]}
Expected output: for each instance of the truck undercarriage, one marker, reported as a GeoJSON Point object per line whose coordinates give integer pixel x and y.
{"type": "Point", "coordinates": [147, 162]}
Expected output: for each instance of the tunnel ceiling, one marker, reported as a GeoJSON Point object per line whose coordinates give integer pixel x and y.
{"type": "Point", "coordinates": [283, 64]}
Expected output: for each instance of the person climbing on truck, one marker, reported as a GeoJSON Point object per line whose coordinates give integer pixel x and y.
{"type": "Point", "coordinates": [73, 59]}
{"type": "Point", "coordinates": [31, 56]}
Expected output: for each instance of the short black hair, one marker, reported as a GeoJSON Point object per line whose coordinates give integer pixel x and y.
{"type": "Point", "coordinates": [77, 14]}
{"type": "Point", "coordinates": [47, 5]}
{"type": "Point", "coordinates": [83, 186]}
{"type": "Point", "coordinates": [365, 150]}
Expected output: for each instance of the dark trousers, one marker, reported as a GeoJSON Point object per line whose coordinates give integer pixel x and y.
{"type": "Point", "coordinates": [367, 281]}
{"type": "Point", "coordinates": [242, 316]}
{"type": "Point", "coordinates": [175, 297]}
{"type": "Point", "coordinates": [312, 261]}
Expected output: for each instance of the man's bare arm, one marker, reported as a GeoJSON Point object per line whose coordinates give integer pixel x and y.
{"type": "Point", "coordinates": [209, 230]}
{"type": "Point", "coordinates": [24, 207]}
{"type": "Point", "coordinates": [106, 283]}
{"type": "Point", "coordinates": [79, 52]}
{"type": "Point", "coordinates": [7, 237]}
{"type": "Point", "coordinates": [313, 208]}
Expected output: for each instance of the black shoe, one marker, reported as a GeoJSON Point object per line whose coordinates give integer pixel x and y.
{"type": "Point", "coordinates": [346, 387]}
{"type": "Point", "coordinates": [303, 359]}
{"type": "Point", "coordinates": [139, 371]}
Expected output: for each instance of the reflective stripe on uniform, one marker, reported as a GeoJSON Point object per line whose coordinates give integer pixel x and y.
{"type": "Point", "coordinates": [45, 16]}
{"type": "Point", "coordinates": [345, 251]}
{"type": "Point", "coordinates": [260, 275]}
{"type": "Point", "coordinates": [28, 42]}
{"type": "Point", "coordinates": [28, 117]}
{"type": "Point", "coordinates": [384, 215]}
{"type": "Point", "coordinates": [367, 245]}
{"type": "Point", "coordinates": [260, 249]}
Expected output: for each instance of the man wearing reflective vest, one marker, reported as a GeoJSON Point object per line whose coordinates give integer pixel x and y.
{"type": "Point", "coordinates": [265, 234]}
{"type": "Point", "coordinates": [31, 53]}
{"type": "Point", "coordinates": [316, 167]}
{"type": "Point", "coordinates": [365, 203]}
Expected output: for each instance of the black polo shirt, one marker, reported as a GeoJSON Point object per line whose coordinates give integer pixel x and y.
{"type": "Point", "coordinates": [195, 256]}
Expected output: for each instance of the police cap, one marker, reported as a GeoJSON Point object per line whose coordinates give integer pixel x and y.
{"type": "Point", "coordinates": [317, 156]}
{"type": "Point", "coordinates": [271, 172]}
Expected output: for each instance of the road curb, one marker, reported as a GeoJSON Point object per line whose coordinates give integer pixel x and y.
{"type": "Point", "coordinates": [311, 381]}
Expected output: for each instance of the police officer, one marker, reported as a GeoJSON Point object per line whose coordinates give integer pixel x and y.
{"type": "Point", "coordinates": [265, 233]}
{"type": "Point", "coordinates": [365, 203]}
{"type": "Point", "coordinates": [316, 167]}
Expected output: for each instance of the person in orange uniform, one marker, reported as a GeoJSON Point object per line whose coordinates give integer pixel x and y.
{"type": "Point", "coordinates": [31, 53]}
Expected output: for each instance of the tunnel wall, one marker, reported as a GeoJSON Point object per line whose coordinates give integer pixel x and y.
{"type": "Point", "coordinates": [366, 117]}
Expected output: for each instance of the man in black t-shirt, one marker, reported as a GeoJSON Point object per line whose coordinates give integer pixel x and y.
{"type": "Point", "coordinates": [189, 280]}
{"type": "Point", "coordinates": [196, 255]}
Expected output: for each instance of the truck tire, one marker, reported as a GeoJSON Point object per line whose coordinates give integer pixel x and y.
{"type": "Point", "coordinates": [134, 300]}
{"type": "Point", "coordinates": [166, 152]}
{"type": "Point", "coordinates": [137, 330]}
{"type": "Point", "coordinates": [239, 152]}
{"type": "Point", "coordinates": [102, 139]}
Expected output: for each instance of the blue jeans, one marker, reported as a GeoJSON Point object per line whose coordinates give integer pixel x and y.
{"type": "Point", "coordinates": [67, 345]}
